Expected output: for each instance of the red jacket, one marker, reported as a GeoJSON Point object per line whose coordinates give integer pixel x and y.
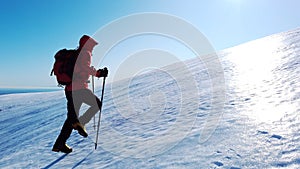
{"type": "Point", "coordinates": [82, 71]}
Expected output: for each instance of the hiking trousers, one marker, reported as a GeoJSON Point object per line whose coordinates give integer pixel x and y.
{"type": "Point", "coordinates": [74, 101]}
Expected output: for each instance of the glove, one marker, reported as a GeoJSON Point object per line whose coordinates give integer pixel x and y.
{"type": "Point", "coordinates": [102, 72]}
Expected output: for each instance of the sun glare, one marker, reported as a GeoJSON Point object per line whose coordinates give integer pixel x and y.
{"type": "Point", "coordinates": [255, 60]}
{"type": "Point", "coordinates": [254, 64]}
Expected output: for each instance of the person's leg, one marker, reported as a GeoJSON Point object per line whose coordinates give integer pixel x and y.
{"type": "Point", "coordinates": [60, 143]}
{"type": "Point", "coordinates": [77, 99]}
{"type": "Point", "coordinates": [95, 104]}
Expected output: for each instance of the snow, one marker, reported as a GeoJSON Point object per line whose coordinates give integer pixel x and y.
{"type": "Point", "coordinates": [157, 120]}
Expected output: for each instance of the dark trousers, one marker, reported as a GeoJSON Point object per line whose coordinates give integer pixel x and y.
{"type": "Point", "coordinates": [74, 101]}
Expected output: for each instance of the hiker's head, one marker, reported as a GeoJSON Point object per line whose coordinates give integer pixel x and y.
{"type": "Point", "coordinates": [86, 42]}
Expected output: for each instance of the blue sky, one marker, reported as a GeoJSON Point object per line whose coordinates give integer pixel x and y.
{"type": "Point", "coordinates": [33, 30]}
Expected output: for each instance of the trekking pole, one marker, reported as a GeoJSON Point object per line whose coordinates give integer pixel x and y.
{"type": "Point", "coordinates": [98, 126]}
{"type": "Point", "coordinates": [93, 86]}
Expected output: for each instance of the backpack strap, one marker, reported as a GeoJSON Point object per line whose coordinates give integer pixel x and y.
{"type": "Point", "coordinates": [51, 74]}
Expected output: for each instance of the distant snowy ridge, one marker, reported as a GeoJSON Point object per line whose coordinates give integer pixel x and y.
{"type": "Point", "coordinates": [5, 91]}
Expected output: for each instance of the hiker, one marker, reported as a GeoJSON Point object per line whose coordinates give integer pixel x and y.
{"type": "Point", "coordinates": [77, 93]}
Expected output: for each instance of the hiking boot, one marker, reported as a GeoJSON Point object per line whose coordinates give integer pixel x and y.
{"type": "Point", "coordinates": [63, 148]}
{"type": "Point", "coordinates": [80, 128]}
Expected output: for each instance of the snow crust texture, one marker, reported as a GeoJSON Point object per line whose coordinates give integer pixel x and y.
{"type": "Point", "coordinates": [157, 121]}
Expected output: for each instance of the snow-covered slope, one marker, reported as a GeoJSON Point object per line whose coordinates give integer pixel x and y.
{"type": "Point", "coordinates": [146, 123]}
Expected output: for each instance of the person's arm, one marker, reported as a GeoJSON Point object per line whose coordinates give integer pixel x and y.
{"type": "Point", "coordinates": [84, 68]}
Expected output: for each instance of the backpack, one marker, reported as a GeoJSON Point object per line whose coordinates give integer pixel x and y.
{"type": "Point", "coordinates": [64, 66]}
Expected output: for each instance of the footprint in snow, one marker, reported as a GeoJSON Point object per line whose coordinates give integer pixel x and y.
{"type": "Point", "coordinates": [218, 163]}
{"type": "Point", "coordinates": [276, 136]}
{"type": "Point", "coordinates": [247, 99]}
{"type": "Point", "coordinates": [262, 132]}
